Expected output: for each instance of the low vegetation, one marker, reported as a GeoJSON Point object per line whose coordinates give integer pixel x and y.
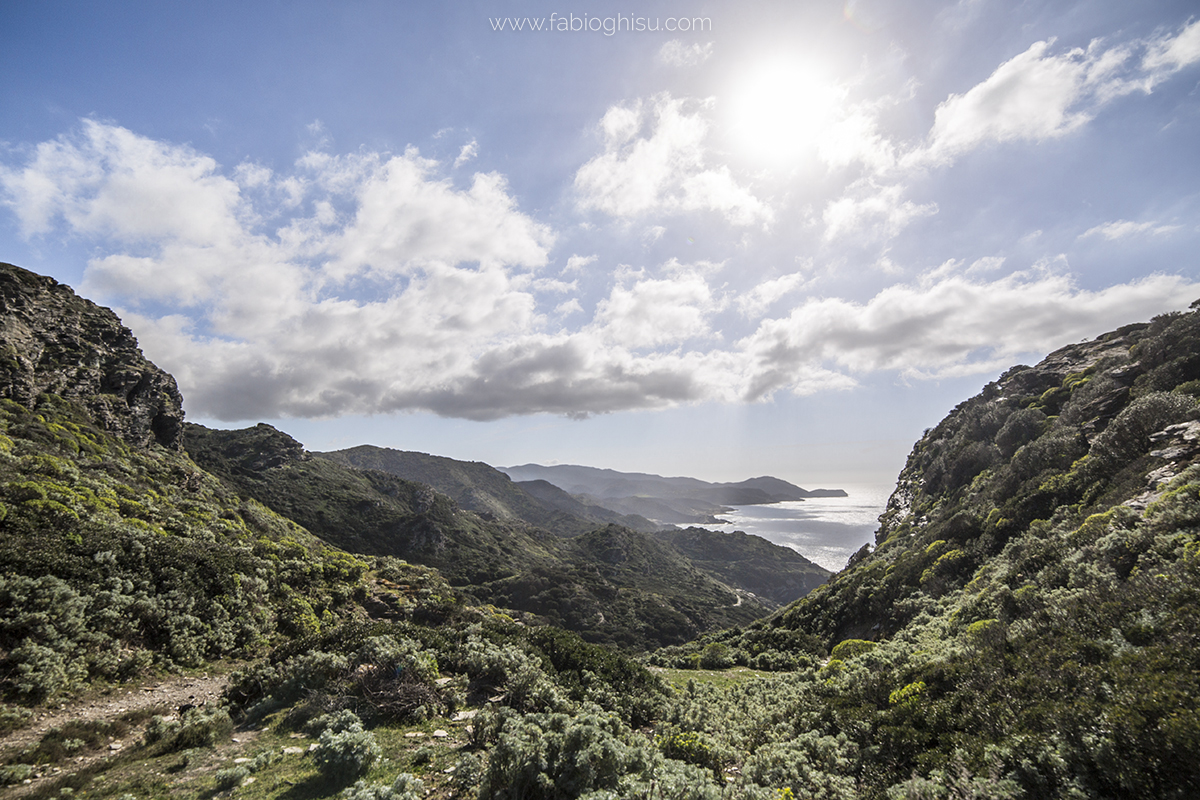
{"type": "Point", "coordinates": [1026, 625]}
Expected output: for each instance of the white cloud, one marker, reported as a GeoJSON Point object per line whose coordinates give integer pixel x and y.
{"type": "Point", "coordinates": [576, 263]}
{"type": "Point", "coordinates": [677, 54]}
{"type": "Point", "coordinates": [108, 181]}
{"type": "Point", "coordinates": [370, 283]}
{"type": "Point", "coordinates": [1040, 94]}
{"type": "Point", "coordinates": [1123, 228]}
{"type": "Point", "coordinates": [663, 171]}
{"type": "Point", "coordinates": [856, 138]}
{"type": "Point", "coordinates": [643, 312]}
{"type": "Point", "coordinates": [872, 211]}
{"type": "Point", "coordinates": [1031, 96]}
{"type": "Point", "coordinates": [571, 306]}
{"type": "Point", "coordinates": [755, 302]}
{"type": "Point", "coordinates": [1167, 54]}
{"type": "Point", "coordinates": [406, 216]}
{"type": "Point", "coordinates": [468, 152]}
{"type": "Point", "coordinates": [948, 325]}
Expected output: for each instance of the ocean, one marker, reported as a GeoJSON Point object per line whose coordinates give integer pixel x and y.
{"type": "Point", "coordinates": [825, 530]}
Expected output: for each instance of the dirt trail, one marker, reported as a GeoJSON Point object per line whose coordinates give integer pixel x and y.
{"type": "Point", "coordinates": [168, 693]}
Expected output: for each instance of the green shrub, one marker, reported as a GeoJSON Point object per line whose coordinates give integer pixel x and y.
{"type": "Point", "coordinates": [343, 756]}
{"type": "Point", "coordinates": [405, 787]}
{"type": "Point", "coordinates": [197, 727]}
{"type": "Point", "coordinates": [14, 773]}
{"type": "Point", "coordinates": [716, 656]}
{"type": "Point", "coordinates": [849, 648]}
{"type": "Point", "coordinates": [690, 747]}
{"type": "Point", "coordinates": [231, 776]}
{"type": "Point", "coordinates": [336, 722]}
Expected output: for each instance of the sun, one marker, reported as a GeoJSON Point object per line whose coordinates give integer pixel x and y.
{"type": "Point", "coordinates": [781, 109]}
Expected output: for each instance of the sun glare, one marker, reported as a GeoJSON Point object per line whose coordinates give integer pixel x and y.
{"type": "Point", "coordinates": [781, 109]}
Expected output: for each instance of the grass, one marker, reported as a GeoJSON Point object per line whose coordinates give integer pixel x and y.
{"type": "Point", "coordinates": [720, 678]}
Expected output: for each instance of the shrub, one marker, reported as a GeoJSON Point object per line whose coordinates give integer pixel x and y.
{"type": "Point", "coordinates": [231, 777]}
{"type": "Point", "coordinates": [341, 757]}
{"type": "Point", "coordinates": [405, 787]}
{"type": "Point", "coordinates": [336, 722]}
{"type": "Point", "coordinates": [716, 656]}
{"type": "Point", "coordinates": [690, 747]}
{"type": "Point", "coordinates": [14, 773]}
{"type": "Point", "coordinates": [198, 727]}
{"type": "Point", "coordinates": [849, 648]}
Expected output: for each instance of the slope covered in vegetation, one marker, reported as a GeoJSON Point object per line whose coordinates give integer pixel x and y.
{"type": "Point", "coordinates": [1027, 623]}
{"type": "Point", "coordinates": [117, 551]}
{"type": "Point", "coordinates": [486, 490]}
{"type": "Point", "coordinates": [1025, 627]}
{"type": "Point", "coordinates": [612, 585]}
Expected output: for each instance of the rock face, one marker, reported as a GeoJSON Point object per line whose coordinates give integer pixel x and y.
{"type": "Point", "coordinates": [52, 341]}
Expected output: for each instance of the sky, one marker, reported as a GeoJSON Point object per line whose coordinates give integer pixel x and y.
{"type": "Point", "coordinates": [714, 239]}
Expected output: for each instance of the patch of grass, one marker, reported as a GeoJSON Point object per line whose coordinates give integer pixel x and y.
{"type": "Point", "coordinates": [720, 678]}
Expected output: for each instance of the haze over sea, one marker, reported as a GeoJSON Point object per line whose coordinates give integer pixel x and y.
{"type": "Point", "coordinates": [825, 530]}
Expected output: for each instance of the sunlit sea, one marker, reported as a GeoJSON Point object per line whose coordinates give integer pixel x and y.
{"type": "Point", "coordinates": [826, 530]}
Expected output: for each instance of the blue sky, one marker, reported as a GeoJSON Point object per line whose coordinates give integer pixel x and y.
{"type": "Point", "coordinates": [779, 238]}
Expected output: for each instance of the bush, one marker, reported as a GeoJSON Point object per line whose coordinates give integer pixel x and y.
{"type": "Point", "coordinates": [716, 656]}
{"type": "Point", "coordinates": [849, 648]}
{"type": "Point", "coordinates": [336, 722]}
{"type": "Point", "coordinates": [231, 777]}
{"type": "Point", "coordinates": [405, 787]}
{"type": "Point", "coordinates": [14, 773]}
{"type": "Point", "coordinates": [341, 757]}
{"type": "Point", "coordinates": [198, 727]}
{"type": "Point", "coordinates": [689, 747]}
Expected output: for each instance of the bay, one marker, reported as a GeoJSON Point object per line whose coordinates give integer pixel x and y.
{"type": "Point", "coordinates": [825, 530]}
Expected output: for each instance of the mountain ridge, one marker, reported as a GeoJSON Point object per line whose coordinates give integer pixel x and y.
{"type": "Point", "coordinates": [669, 500]}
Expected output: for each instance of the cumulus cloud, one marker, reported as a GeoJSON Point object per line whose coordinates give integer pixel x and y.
{"type": "Point", "coordinates": [877, 212]}
{"type": "Point", "coordinates": [1123, 228]}
{"type": "Point", "coordinates": [373, 283]}
{"type": "Point", "coordinates": [677, 54]}
{"type": "Point", "coordinates": [654, 161]}
{"type": "Point", "coordinates": [756, 301]}
{"type": "Point", "coordinates": [576, 263]}
{"type": "Point", "coordinates": [1041, 94]}
{"type": "Point", "coordinates": [643, 312]}
{"type": "Point", "coordinates": [1031, 96]}
{"type": "Point", "coordinates": [943, 326]}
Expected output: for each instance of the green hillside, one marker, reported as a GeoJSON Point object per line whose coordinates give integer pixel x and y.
{"type": "Point", "coordinates": [483, 489]}
{"type": "Point", "coordinates": [118, 553]}
{"type": "Point", "coordinates": [655, 596]}
{"type": "Point", "coordinates": [1026, 625]}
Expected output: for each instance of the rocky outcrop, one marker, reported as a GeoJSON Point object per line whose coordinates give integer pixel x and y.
{"type": "Point", "coordinates": [54, 342]}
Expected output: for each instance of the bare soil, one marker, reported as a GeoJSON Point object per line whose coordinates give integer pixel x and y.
{"type": "Point", "coordinates": [168, 694]}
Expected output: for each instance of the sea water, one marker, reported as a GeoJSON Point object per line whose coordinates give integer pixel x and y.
{"type": "Point", "coordinates": [825, 530]}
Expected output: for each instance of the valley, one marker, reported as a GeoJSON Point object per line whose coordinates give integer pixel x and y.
{"type": "Point", "coordinates": [399, 625]}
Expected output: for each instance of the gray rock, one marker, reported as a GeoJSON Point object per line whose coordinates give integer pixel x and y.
{"type": "Point", "coordinates": [54, 342]}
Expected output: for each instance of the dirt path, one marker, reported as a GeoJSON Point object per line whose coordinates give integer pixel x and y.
{"type": "Point", "coordinates": [168, 693]}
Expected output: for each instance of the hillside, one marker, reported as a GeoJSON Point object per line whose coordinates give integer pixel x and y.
{"type": "Point", "coordinates": [1026, 624]}
{"type": "Point", "coordinates": [119, 553]}
{"type": "Point", "coordinates": [659, 598]}
{"type": "Point", "coordinates": [481, 488]}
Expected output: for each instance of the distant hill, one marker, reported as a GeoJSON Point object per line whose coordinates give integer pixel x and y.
{"type": "Point", "coordinates": [485, 490]}
{"type": "Point", "coordinates": [658, 595]}
{"type": "Point", "coordinates": [666, 500]}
